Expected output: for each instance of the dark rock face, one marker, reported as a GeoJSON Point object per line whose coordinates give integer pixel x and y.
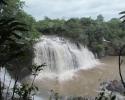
{"type": "Point", "coordinates": [110, 50]}
{"type": "Point", "coordinates": [116, 86]}
{"type": "Point", "coordinates": [113, 87]}
{"type": "Point", "coordinates": [21, 66]}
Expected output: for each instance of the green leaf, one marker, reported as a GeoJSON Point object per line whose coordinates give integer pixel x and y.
{"type": "Point", "coordinates": [2, 20]}
{"type": "Point", "coordinates": [19, 29]}
{"type": "Point", "coordinates": [25, 94]}
{"type": "Point", "coordinates": [9, 20]}
{"type": "Point", "coordinates": [14, 24]}
{"type": "Point", "coordinates": [123, 12]}
{"type": "Point", "coordinates": [3, 2]}
{"type": "Point", "coordinates": [36, 88]}
{"type": "Point", "coordinates": [18, 54]}
{"type": "Point", "coordinates": [113, 98]}
{"type": "Point", "coordinates": [30, 68]}
{"type": "Point", "coordinates": [10, 39]}
{"type": "Point", "coordinates": [122, 17]}
{"type": "Point", "coordinates": [123, 21]}
{"type": "Point", "coordinates": [2, 87]}
{"type": "Point", "coordinates": [17, 36]}
{"type": "Point", "coordinates": [33, 74]}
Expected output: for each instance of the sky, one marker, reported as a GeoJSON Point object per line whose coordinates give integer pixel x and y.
{"type": "Point", "coordinates": [74, 8]}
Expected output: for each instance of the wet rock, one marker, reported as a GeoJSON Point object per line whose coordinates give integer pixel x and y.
{"type": "Point", "coordinates": [72, 98]}
{"type": "Point", "coordinates": [116, 86]}
{"type": "Point", "coordinates": [113, 87]}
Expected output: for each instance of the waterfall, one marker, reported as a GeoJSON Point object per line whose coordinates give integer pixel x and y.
{"type": "Point", "coordinates": [96, 56]}
{"type": "Point", "coordinates": [7, 77]}
{"type": "Point", "coordinates": [62, 56]}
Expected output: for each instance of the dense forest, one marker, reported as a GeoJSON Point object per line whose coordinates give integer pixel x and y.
{"type": "Point", "coordinates": [19, 30]}
{"type": "Point", "coordinates": [84, 30]}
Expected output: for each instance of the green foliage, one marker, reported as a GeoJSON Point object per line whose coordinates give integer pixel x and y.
{"type": "Point", "coordinates": [11, 40]}
{"type": "Point", "coordinates": [3, 2]}
{"type": "Point", "coordinates": [14, 9]}
{"type": "Point", "coordinates": [14, 41]}
{"type": "Point", "coordinates": [100, 46]}
{"type": "Point", "coordinates": [124, 94]}
{"type": "Point", "coordinates": [23, 17]}
{"type": "Point", "coordinates": [100, 18]}
{"type": "Point", "coordinates": [55, 97]}
{"type": "Point", "coordinates": [11, 10]}
{"type": "Point", "coordinates": [24, 91]}
{"type": "Point", "coordinates": [86, 30]}
{"type": "Point", "coordinates": [123, 17]}
{"type": "Point", "coordinates": [103, 97]}
{"type": "Point", "coordinates": [35, 68]}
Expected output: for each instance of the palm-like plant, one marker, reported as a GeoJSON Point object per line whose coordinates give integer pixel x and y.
{"type": "Point", "coordinates": [11, 44]}
{"type": "Point", "coordinates": [123, 17]}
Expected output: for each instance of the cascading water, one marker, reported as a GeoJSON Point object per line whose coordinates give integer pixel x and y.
{"type": "Point", "coordinates": [6, 78]}
{"type": "Point", "coordinates": [62, 57]}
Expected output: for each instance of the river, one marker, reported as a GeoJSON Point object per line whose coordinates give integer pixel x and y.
{"type": "Point", "coordinates": [71, 68]}
{"type": "Point", "coordinates": [84, 82]}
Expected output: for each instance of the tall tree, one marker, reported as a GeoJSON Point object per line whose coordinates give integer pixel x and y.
{"type": "Point", "coordinates": [11, 10]}
{"type": "Point", "coordinates": [14, 9]}
{"type": "Point", "coordinates": [100, 18]}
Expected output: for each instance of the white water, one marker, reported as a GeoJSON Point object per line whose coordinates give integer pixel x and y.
{"type": "Point", "coordinates": [62, 57]}
{"type": "Point", "coordinates": [6, 78]}
{"type": "Point", "coordinates": [9, 82]}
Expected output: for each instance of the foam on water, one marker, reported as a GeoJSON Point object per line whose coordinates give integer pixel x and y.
{"type": "Point", "coordinates": [62, 57]}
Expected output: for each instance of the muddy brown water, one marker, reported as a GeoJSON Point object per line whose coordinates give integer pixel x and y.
{"type": "Point", "coordinates": [85, 82]}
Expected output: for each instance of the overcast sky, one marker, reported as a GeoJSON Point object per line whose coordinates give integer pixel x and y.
{"type": "Point", "coordinates": [74, 8]}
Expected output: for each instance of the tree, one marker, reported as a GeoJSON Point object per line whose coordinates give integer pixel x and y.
{"type": "Point", "coordinates": [11, 10]}
{"type": "Point", "coordinates": [100, 18]}
{"type": "Point", "coordinates": [14, 9]}
{"type": "Point", "coordinates": [13, 45]}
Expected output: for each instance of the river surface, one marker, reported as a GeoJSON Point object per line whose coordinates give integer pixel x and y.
{"type": "Point", "coordinates": [84, 82]}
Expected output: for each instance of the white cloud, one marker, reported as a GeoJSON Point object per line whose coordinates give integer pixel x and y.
{"type": "Point", "coordinates": [74, 8]}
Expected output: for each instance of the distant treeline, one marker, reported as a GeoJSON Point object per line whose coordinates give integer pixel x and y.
{"type": "Point", "coordinates": [86, 30]}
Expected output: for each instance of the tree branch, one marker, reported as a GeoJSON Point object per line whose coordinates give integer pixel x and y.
{"type": "Point", "coordinates": [120, 62]}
